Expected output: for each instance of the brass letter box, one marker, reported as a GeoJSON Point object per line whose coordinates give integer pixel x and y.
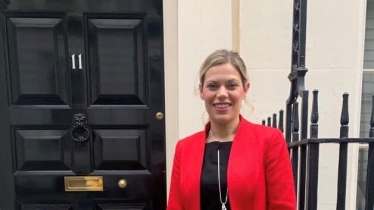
{"type": "Point", "coordinates": [83, 183]}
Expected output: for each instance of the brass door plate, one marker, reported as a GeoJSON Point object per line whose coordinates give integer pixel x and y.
{"type": "Point", "coordinates": [83, 183]}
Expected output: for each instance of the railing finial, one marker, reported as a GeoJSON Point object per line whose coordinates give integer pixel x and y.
{"type": "Point", "coordinates": [274, 125]}
{"type": "Point", "coordinates": [280, 124]}
{"type": "Point", "coordinates": [344, 119]}
{"type": "Point", "coordinates": [314, 116]}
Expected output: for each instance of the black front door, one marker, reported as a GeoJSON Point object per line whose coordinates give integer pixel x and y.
{"type": "Point", "coordinates": [81, 105]}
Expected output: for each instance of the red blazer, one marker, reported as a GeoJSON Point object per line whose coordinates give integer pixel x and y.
{"type": "Point", "coordinates": [259, 174]}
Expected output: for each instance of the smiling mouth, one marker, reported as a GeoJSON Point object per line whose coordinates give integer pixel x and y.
{"type": "Point", "coordinates": [222, 106]}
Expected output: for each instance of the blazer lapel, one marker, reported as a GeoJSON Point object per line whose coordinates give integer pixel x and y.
{"type": "Point", "coordinates": [195, 164]}
{"type": "Point", "coordinates": [238, 160]}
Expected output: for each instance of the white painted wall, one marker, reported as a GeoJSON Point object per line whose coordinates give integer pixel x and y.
{"type": "Point", "coordinates": [334, 54]}
{"type": "Point", "coordinates": [199, 33]}
{"type": "Point", "coordinates": [191, 34]}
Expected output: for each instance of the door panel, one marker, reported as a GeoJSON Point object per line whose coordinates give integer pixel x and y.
{"type": "Point", "coordinates": [81, 82]}
{"type": "Point", "coordinates": [36, 51]}
{"type": "Point", "coordinates": [117, 59]}
{"type": "Point", "coordinates": [121, 149]}
{"type": "Point", "coordinates": [54, 143]}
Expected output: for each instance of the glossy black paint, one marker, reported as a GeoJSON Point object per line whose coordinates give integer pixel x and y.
{"type": "Point", "coordinates": [99, 58]}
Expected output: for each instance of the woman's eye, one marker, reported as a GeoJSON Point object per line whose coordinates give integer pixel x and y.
{"type": "Point", "coordinates": [232, 85]}
{"type": "Point", "coordinates": [211, 86]}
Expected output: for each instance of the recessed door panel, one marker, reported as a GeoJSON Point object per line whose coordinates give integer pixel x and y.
{"type": "Point", "coordinates": [121, 149]}
{"type": "Point", "coordinates": [40, 150]}
{"type": "Point", "coordinates": [37, 62]}
{"type": "Point", "coordinates": [117, 59]}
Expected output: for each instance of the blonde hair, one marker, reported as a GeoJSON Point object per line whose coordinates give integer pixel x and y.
{"type": "Point", "coordinates": [224, 56]}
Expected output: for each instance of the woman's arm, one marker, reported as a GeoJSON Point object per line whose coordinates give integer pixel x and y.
{"type": "Point", "coordinates": [175, 201]}
{"type": "Point", "coordinates": [279, 177]}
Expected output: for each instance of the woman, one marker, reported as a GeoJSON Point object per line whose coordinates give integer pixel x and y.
{"type": "Point", "coordinates": [232, 163]}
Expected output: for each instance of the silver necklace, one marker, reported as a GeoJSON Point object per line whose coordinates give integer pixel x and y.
{"type": "Point", "coordinates": [219, 186]}
{"type": "Point", "coordinates": [219, 179]}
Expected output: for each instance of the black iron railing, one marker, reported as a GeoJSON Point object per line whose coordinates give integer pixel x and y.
{"type": "Point", "coordinates": [306, 179]}
{"type": "Point", "coordinates": [304, 151]}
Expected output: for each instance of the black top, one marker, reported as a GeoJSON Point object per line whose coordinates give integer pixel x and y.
{"type": "Point", "coordinates": [209, 190]}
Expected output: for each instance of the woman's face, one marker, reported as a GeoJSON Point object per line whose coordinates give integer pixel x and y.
{"type": "Point", "coordinates": [223, 92]}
